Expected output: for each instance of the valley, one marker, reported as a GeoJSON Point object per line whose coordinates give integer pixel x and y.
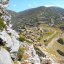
{"type": "Point", "coordinates": [45, 38]}
{"type": "Point", "coordinates": [33, 36]}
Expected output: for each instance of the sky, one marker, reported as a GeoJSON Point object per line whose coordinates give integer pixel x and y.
{"type": "Point", "coordinates": [21, 5]}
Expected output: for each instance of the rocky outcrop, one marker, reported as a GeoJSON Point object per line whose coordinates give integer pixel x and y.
{"type": "Point", "coordinates": [5, 57]}
{"type": "Point", "coordinates": [8, 36]}
{"type": "Point", "coordinates": [29, 54]}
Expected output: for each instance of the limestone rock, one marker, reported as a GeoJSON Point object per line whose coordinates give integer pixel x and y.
{"type": "Point", "coordinates": [5, 57]}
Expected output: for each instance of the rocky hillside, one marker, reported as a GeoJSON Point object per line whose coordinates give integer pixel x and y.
{"type": "Point", "coordinates": [38, 44]}
{"type": "Point", "coordinates": [12, 50]}
{"type": "Point", "coordinates": [35, 16]}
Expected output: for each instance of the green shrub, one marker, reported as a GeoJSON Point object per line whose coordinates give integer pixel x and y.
{"type": "Point", "coordinates": [20, 53]}
{"type": "Point", "coordinates": [60, 41]}
{"type": "Point", "coordinates": [39, 52]}
{"type": "Point", "coordinates": [21, 38]}
{"type": "Point", "coordinates": [60, 52]}
{"type": "Point", "coordinates": [2, 25]}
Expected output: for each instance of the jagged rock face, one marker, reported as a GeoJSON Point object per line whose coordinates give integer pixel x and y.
{"type": "Point", "coordinates": [10, 40]}
{"type": "Point", "coordinates": [35, 57]}
{"type": "Point", "coordinates": [1, 42]}
{"type": "Point", "coordinates": [7, 18]}
{"type": "Point", "coordinates": [5, 57]}
{"type": "Point", "coordinates": [8, 36]}
{"type": "Point", "coordinates": [29, 54]}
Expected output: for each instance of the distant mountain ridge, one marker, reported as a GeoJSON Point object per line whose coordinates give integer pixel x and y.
{"type": "Point", "coordinates": [32, 17]}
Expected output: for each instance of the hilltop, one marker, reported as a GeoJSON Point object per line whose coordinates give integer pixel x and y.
{"type": "Point", "coordinates": [35, 16]}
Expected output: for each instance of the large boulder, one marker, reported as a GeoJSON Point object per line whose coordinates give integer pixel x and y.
{"type": "Point", "coordinates": [5, 57]}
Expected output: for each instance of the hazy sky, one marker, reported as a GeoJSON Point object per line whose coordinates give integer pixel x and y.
{"type": "Point", "coordinates": [20, 5]}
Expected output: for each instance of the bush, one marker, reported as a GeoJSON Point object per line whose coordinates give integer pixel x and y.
{"type": "Point", "coordinates": [60, 52]}
{"type": "Point", "coordinates": [2, 25]}
{"type": "Point", "coordinates": [21, 37]}
{"type": "Point", "coordinates": [61, 41]}
{"type": "Point", "coordinates": [40, 53]}
{"type": "Point", "coordinates": [20, 53]}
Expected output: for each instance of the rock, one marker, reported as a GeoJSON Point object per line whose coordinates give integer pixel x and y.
{"type": "Point", "coordinates": [5, 57]}
{"type": "Point", "coordinates": [6, 38]}
{"type": "Point", "coordinates": [10, 42]}
{"type": "Point", "coordinates": [34, 57]}
{"type": "Point", "coordinates": [29, 54]}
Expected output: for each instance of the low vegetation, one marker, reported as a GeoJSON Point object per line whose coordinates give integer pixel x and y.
{"type": "Point", "coordinates": [23, 38]}
{"type": "Point", "coordinates": [60, 40]}
{"type": "Point", "coordinates": [2, 25]}
{"type": "Point", "coordinates": [39, 52]}
{"type": "Point", "coordinates": [44, 36]}
{"type": "Point", "coordinates": [60, 52]}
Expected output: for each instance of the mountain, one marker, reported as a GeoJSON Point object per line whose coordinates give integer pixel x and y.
{"type": "Point", "coordinates": [34, 16]}
{"type": "Point", "coordinates": [12, 50]}
{"type": "Point", "coordinates": [41, 44]}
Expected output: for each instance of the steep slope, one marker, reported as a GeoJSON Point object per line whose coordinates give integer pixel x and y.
{"type": "Point", "coordinates": [9, 42]}
{"type": "Point", "coordinates": [26, 47]}
{"type": "Point", "coordinates": [47, 40]}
